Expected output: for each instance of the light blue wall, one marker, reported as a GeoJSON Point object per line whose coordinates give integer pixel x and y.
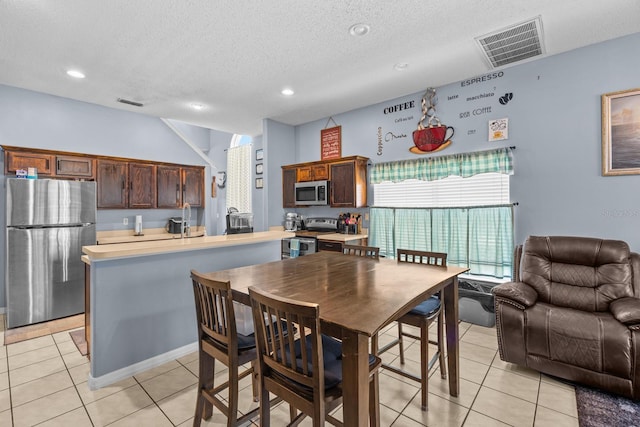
{"type": "Point", "coordinates": [279, 142]}
{"type": "Point", "coordinates": [554, 121]}
{"type": "Point", "coordinates": [143, 307]}
{"type": "Point", "coordinates": [37, 120]}
{"type": "Point", "coordinates": [218, 144]}
{"type": "Point", "coordinates": [259, 197]}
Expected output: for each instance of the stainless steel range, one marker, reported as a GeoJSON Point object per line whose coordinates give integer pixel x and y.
{"type": "Point", "coordinates": [307, 238]}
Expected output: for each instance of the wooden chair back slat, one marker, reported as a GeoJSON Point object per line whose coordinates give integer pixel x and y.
{"type": "Point", "coordinates": [276, 346]}
{"type": "Point", "coordinates": [363, 251]}
{"type": "Point", "coordinates": [214, 309]}
{"type": "Point", "coordinates": [422, 257]}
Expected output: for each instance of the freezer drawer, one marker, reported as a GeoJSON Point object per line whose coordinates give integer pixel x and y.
{"type": "Point", "coordinates": [44, 274]}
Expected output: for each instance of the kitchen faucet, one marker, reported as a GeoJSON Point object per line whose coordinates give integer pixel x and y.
{"type": "Point", "coordinates": [186, 227]}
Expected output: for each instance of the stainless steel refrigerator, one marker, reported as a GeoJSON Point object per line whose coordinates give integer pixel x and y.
{"type": "Point", "coordinates": [48, 222]}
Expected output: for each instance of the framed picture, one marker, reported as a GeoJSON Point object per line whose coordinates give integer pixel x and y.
{"type": "Point", "coordinates": [621, 133]}
{"type": "Point", "coordinates": [259, 169]}
{"type": "Point", "coordinates": [259, 183]}
{"type": "Point", "coordinates": [259, 154]}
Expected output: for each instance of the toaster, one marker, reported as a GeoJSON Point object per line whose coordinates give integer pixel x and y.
{"type": "Point", "coordinates": [174, 226]}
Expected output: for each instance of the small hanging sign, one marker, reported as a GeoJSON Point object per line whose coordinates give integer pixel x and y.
{"type": "Point", "coordinates": [331, 142]}
{"type": "Point", "coordinates": [498, 129]}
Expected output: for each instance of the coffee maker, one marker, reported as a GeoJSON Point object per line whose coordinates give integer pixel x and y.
{"type": "Point", "coordinates": [291, 221]}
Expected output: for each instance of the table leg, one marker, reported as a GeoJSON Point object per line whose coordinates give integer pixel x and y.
{"type": "Point", "coordinates": [451, 320]}
{"type": "Point", "coordinates": [355, 379]}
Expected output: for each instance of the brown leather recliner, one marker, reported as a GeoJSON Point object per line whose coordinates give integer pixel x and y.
{"type": "Point", "coordinates": [574, 312]}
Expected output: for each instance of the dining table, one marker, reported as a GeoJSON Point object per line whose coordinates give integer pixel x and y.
{"type": "Point", "coordinates": [357, 297]}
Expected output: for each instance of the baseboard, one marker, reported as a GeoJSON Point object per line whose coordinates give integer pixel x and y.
{"type": "Point", "coordinates": [95, 383]}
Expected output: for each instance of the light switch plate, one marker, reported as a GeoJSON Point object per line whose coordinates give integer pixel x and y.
{"type": "Point", "coordinates": [125, 221]}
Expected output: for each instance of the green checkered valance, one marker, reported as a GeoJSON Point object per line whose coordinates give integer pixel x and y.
{"type": "Point", "coordinates": [433, 168]}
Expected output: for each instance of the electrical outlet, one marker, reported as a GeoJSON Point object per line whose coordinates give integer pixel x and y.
{"type": "Point", "coordinates": [125, 221]}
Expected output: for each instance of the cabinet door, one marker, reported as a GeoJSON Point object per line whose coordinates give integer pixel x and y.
{"type": "Point", "coordinates": [343, 185]}
{"type": "Point", "coordinates": [288, 188]}
{"type": "Point", "coordinates": [75, 166]}
{"type": "Point", "coordinates": [329, 245]}
{"type": "Point", "coordinates": [193, 186]}
{"type": "Point", "coordinates": [320, 172]}
{"type": "Point", "coordinates": [303, 174]}
{"type": "Point", "coordinates": [111, 177]}
{"type": "Point", "coordinates": [19, 160]}
{"type": "Point", "coordinates": [142, 185]}
{"type": "Point", "coordinates": [169, 187]}
{"type": "Point", "coordinates": [312, 173]}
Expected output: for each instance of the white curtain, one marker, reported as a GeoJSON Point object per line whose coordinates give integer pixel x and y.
{"type": "Point", "coordinates": [239, 177]}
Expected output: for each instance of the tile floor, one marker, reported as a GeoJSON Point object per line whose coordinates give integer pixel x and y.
{"type": "Point", "coordinates": [43, 381]}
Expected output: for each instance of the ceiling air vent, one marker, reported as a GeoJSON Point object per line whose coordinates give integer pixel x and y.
{"type": "Point", "coordinates": [513, 44]}
{"type": "Point", "coordinates": [126, 101]}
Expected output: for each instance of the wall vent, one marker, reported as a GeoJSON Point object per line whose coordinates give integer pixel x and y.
{"type": "Point", "coordinates": [514, 43]}
{"type": "Point", "coordinates": [126, 101]}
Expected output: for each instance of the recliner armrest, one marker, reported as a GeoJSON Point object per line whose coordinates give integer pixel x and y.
{"type": "Point", "coordinates": [626, 310]}
{"type": "Point", "coordinates": [518, 292]}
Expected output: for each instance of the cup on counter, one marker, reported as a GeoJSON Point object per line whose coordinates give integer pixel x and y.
{"type": "Point", "coordinates": [32, 173]}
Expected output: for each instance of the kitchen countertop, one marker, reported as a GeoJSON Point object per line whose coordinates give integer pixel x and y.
{"type": "Point", "coordinates": [152, 247]}
{"type": "Point", "coordinates": [339, 237]}
{"type": "Point", "coordinates": [149, 234]}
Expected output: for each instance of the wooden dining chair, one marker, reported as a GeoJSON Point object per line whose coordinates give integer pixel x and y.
{"type": "Point", "coordinates": [219, 340]}
{"type": "Point", "coordinates": [421, 317]}
{"type": "Point", "coordinates": [363, 251]}
{"type": "Point", "coordinates": [305, 372]}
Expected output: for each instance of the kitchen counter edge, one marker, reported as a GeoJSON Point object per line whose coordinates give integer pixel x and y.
{"type": "Point", "coordinates": [340, 237]}
{"type": "Point", "coordinates": [146, 248]}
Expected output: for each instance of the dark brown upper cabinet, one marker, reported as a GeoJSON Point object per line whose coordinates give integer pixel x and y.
{"type": "Point", "coordinates": [169, 187]}
{"type": "Point", "coordinates": [112, 182]}
{"type": "Point", "coordinates": [142, 185]}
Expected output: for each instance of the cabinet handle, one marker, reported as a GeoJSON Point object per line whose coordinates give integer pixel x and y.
{"type": "Point", "coordinates": [131, 186]}
{"type": "Point", "coordinates": [177, 193]}
{"type": "Point", "coordinates": [123, 187]}
{"type": "Point", "coordinates": [47, 164]}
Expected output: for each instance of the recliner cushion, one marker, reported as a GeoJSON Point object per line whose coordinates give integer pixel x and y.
{"type": "Point", "coordinates": [591, 340]}
{"type": "Point", "coordinates": [626, 310]}
{"type": "Point", "coordinates": [577, 272]}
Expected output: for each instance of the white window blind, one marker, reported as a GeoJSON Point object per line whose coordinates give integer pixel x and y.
{"type": "Point", "coordinates": [239, 177]}
{"type": "Point", "coordinates": [454, 191]}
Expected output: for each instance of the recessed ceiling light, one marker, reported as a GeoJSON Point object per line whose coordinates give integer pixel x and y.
{"type": "Point", "coordinates": [359, 29]}
{"type": "Point", "coordinates": [76, 74]}
{"type": "Point", "coordinates": [287, 92]}
{"type": "Point", "coordinates": [401, 66]}
{"type": "Point", "coordinates": [197, 106]}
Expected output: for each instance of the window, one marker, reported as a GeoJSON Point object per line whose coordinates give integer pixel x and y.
{"type": "Point", "coordinates": [454, 191]}
{"type": "Point", "coordinates": [431, 207]}
{"type": "Point", "coordinates": [239, 173]}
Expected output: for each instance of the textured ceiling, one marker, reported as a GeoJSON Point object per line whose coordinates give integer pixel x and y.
{"type": "Point", "coordinates": [234, 57]}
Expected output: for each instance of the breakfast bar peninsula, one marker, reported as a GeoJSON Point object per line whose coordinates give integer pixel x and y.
{"type": "Point", "coordinates": [139, 307]}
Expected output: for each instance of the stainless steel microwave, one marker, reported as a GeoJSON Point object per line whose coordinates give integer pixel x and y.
{"type": "Point", "coordinates": [312, 193]}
